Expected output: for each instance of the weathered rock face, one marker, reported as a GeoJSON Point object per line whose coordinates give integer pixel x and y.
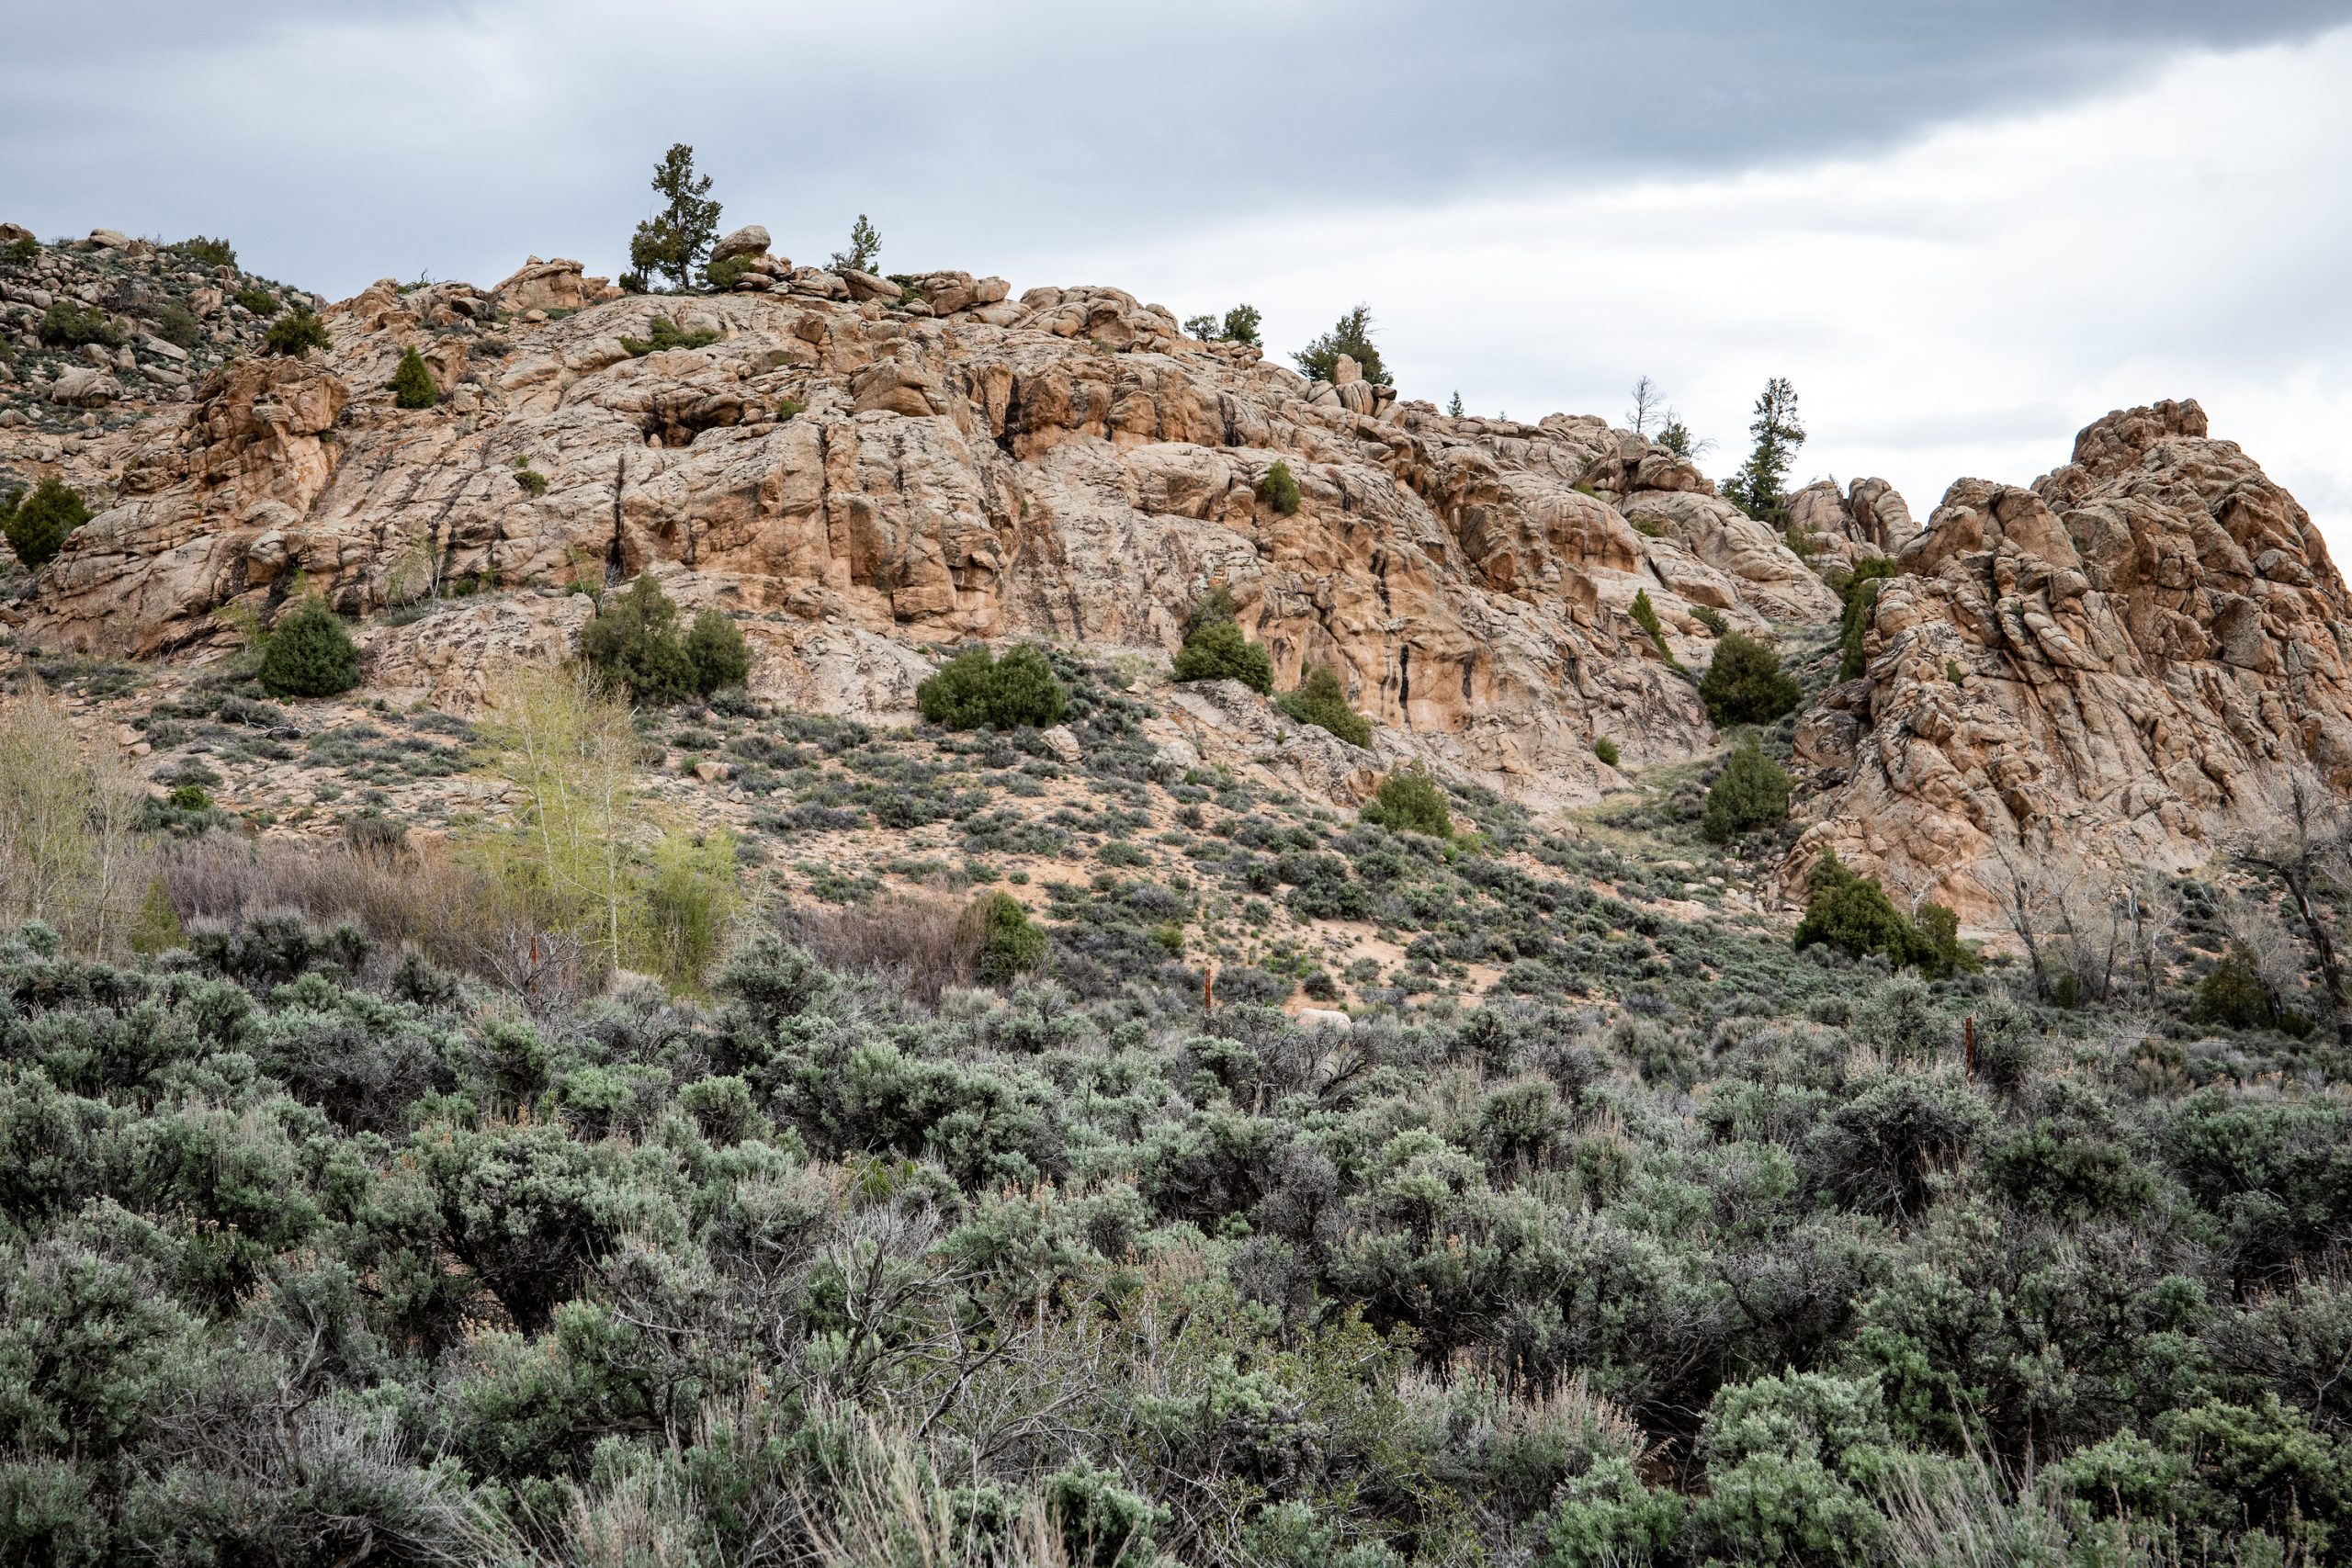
{"type": "Point", "coordinates": [1869, 519]}
{"type": "Point", "coordinates": [859, 471]}
{"type": "Point", "coordinates": [2135, 656]}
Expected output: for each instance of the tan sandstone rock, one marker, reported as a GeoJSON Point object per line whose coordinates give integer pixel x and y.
{"type": "Point", "coordinates": [2133, 659]}
{"type": "Point", "coordinates": [859, 482]}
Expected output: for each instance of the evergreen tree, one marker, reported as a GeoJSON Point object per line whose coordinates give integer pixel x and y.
{"type": "Point", "coordinates": [864, 248]}
{"type": "Point", "coordinates": [295, 333]}
{"type": "Point", "coordinates": [1759, 488]}
{"type": "Point", "coordinates": [1322, 700]}
{"type": "Point", "coordinates": [633, 641]}
{"type": "Point", "coordinates": [1744, 683]}
{"type": "Point", "coordinates": [674, 240]}
{"type": "Point", "coordinates": [1352, 337]}
{"type": "Point", "coordinates": [309, 654]}
{"type": "Point", "coordinates": [1751, 792]}
{"type": "Point", "coordinates": [37, 525]}
{"type": "Point", "coordinates": [412, 384]}
{"type": "Point", "coordinates": [716, 648]}
{"type": "Point", "coordinates": [974, 689]}
{"type": "Point", "coordinates": [1241, 324]}
{"type": "Point", "coordinates": [1454, 409]}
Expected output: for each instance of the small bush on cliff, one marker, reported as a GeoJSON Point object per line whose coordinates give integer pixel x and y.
{"type": "Point", "coordinates": [37, 524]}
{"type": "Point", "coordinates": [66, 325]}
{"type": "Point", "coordinates": [18, 251]}
{"type": "Point", "coordinates": [412, 384]}
{"type": "Point", "coordinates": [1744, 683]}
{"type": "Point", "coordinates": [209, 253]}
{"type": "Point", "coordinates": [1645, 615]}
{"type": "Point", "coordinates": [1219, 652]}
{"type": "Point", "coordinates": [296, 334]}
{"type": "Point", "coordinates": [1322, 702]}
{"type": "Point", "coordinates": [1752, 792]}
{"type": "Point", "coordinates": [1409, 801]}
{"type": "Point", "coordinates": [1351, 336]}
{"type": "Point", "coordinates": [1860, 595]}
{"type": "Point", "coordinates": [257, 299]}
{"type": "Point", "coordinates": [1240, 325]}
{"type": "Point", "coordinates": [664, 334]}
{"type": "Point", "coordinates": [975, 688]}
{"type": "Point", "coordinates": [1606, 750]}
{"type": "Point", "coordinates": [1279, 488]}
{"type": "Point", "coordinates": [1215, 649]}
{"type": "Point", "coordinates": [177, 325]}
{"type": "Point", "coordinates": [633, 641]}
{"type": "Point", "coordinates": [309, 654]}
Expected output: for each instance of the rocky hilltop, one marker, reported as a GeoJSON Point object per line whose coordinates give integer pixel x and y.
{"type": "Point", "coordinates": [2129, 658]}
{"type": "Point", "coordinates": [867, 468]}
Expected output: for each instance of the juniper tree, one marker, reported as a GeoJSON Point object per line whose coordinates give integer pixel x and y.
{"type": "Point", "coordinates": [674, 240]}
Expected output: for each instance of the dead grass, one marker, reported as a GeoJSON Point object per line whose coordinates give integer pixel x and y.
{"type": "Point", "coordinates": [915, 938]}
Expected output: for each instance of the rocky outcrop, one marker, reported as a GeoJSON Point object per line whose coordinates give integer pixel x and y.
{"type": "Point", "coordinates": [1868, 518]}
{"type": "Point", "coordinates": [557, 285]}
{"type": "Point", "coordinates": [2133, 659]}
{"type": "Point", "coordinates": [860, 478]}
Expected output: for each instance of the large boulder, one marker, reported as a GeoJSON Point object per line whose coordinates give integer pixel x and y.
{"type": "Point", "coordinates": [751, 239]}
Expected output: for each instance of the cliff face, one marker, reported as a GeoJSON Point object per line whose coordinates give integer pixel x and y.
{"type": "Point", "coordinates": [2130, 660]}
{"type": "Point", "coordinates": [869, 476]}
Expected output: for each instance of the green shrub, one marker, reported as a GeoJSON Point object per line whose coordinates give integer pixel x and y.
{"type": "Point", "coordinates": [532, 482]}
{"type": "Point", "coordinates": [1859, 597]}
{"type": "Point", "coordinates": [177, 325]}
{"type": "Point", "coordinates": [66, 325]}
{"type": "Point", "coordinates": [257, 299]}
{"type": "Point", "coordinates": [1714, 620]}
{"type": "Point", "coordinates": [1752, 792]}
{"type": "Point", "coordinates": [1279, 488]}
{"type": "Point", "coordinates": [1007, 943]}
{"type": "Point", "coordinates": [37, 524]}
{"type": "Point", "coordinates": [1101, 1524]}
{"type": "Point", "coordinates": [1645, 615]}
{"type": "Point", "coordinates": [2234, 995]}
{"type": "Point", "coordinates": [716, 648]}
{"type": "Point", "coordinates": [1745, 684]}
{"type": "Point", "coordinates": [19, 252]}
{"type": "Point", "coordinates": [1219, 651]}
{"type": "Point", "coordinates": [309, 654]}
{"type": "Point", "coordinates": [974, 690]}
{"type": "Point", "coordinates": [209, 252]}
{"type": "Point", "coordinates": [1322, 701]}
{"type": "Point", "coordinates": [724, 274]}
{"type": "Point", "coordinates": [1606, 1517]}
{"type": "Point", "coordinates": [1853, 915]}
{"type": "Point", "coordinates": [1606, 750]}
{"type": "Point", "coordinates": [633, 639]}
{"type": "Point", "coordinates": [664, 334]}
{"type": "Point", "coordinates": [412, 384]}
{"type": "Point", "coordinates": [295, 333]}
{"type": "Point", "coordinates": [1409, 801]}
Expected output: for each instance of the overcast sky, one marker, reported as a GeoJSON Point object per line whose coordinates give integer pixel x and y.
{"type": "Point", "coordinates": [1964, 228]}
